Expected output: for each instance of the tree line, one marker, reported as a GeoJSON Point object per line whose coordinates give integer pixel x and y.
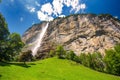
{"type": "Point", "coordinates": [108, 63]}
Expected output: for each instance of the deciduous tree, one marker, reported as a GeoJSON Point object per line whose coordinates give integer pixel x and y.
{"type": "Point", "coordinates": [26, 56]}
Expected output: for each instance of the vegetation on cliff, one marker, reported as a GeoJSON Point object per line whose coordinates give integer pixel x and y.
{"type": "Point", "coordinates": [108, 63]}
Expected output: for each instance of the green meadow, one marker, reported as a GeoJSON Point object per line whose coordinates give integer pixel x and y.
{"type": "Point", "coordinates": [51, 69]}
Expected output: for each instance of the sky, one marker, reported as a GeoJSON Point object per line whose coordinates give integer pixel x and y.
{"type": "Point", "coordinates": [22, 14]}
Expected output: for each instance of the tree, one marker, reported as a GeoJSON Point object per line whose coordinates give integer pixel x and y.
{"type": "Point", "coordinates": [26, 56]}
{"type": "Point", "coordinates": [52, 53]}
{"type": "Point", "coordinates": [60, 51]}
{"type": "Point", "coordinates": [76, 59]}
{"type": "Point", "coordinates": [70, 55]}
{"type": "Point", "coordinates": [97, 61]}
{"type": "Point", "coordinates": [112, 60]}
{"type": "Point", "coordinates": [4, 33]}
{"type": "Point", "coordinates": [15, 43]}
{"type": "Point", "coordinates": [13, 47]}
{"type": "Point", "coordinates": [86, 59]}
{"type": "Point", "coordinates": [10, 44]}
{"type": "Point", "coordinates": [93, 60]}
{"type": "Point", "coordinates": [83, 59]}
{"type": "Point", "coordinates": [117, 48]}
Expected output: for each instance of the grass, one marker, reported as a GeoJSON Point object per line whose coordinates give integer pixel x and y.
{"type": "Point", "coordinates": [51, 69]}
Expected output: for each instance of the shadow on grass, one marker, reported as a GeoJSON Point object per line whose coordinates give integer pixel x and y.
{"type": "Point", "coordinates": [27, 65]}
{"type": "Point", "coordinates": [0, 75]}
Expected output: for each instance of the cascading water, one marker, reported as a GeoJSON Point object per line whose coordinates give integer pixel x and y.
{"type": "Point", "coordinates": [39, 40]}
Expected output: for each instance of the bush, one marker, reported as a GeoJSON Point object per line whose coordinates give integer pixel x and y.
{"type": "Point", "coordinates": [26, 56]}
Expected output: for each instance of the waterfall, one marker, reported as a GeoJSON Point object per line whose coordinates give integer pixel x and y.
{"type": "Point", "coordinates": [39, 40]}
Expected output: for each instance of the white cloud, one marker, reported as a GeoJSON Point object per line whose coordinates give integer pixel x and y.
{"type": "Point", "coordinates": [37, 4]}
{"type": "Point", "coordinates": [43, 17]}
{"type": "Point", "coordinates": [30, 5]}
{"type": "Point", "coordinates": [83, 6]}
{"type": "Point", "coordinates": [67, 3]}
{"type": "Point", "coordinates": [47, 8]}
{"type": "Point", "coordinates": [45, 13]}
{"type": "Point", "coordinates": [57, 6]}
{"type": "Point", "coordinates": [74, 3]}
{"type": "Point", "coordinates": [21, 19]}
{"type": "Point", "coordinates": [30, 8]}
{"type": "Point", "coordinates": [54, 8]}
{"type": "Point", "coordinates": [116, 17]}
{"type": "Point", "coordinates": [33, 22]}
{"type": "Point", "coordinates": [80, 7]}
{"type": "Point", "coordinates": [12, 0]}
{"type": "Point", "coordinates": [61, 15]}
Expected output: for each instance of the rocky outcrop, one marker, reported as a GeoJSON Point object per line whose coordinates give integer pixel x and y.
{"type": "Point", "coordinates": [81, 33]}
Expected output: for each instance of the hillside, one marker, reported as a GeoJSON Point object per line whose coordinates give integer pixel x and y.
{"type": "Point", "coordinates": [81, 33]}
{"type": "Point", "coordinates": [51, 69]}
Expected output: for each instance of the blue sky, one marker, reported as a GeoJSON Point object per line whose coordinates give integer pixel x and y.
{"type": "Point", "coordinates": [21, 14]}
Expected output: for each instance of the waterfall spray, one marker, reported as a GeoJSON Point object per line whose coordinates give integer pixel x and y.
{"type": "Point", "coordinates": [39, 40]}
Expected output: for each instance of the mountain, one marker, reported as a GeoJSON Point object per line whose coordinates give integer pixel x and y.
{"type": "Point", "coordinates": [81, 33]}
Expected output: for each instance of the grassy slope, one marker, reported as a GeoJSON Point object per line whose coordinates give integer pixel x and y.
{"type": "Point", "coordinates": [51, 69]}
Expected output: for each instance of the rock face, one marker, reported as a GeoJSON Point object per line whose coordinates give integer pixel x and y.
{"type": "Point", "coordinates": [81, 33]}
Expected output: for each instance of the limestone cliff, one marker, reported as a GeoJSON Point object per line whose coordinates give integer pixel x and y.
{"type": "Point", "coordinates": [81, 33]}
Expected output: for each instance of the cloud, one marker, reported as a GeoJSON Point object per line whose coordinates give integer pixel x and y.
{"type": "Point", "coordinates": [80, 7]}
{"type": "Point", "coordinates": [116, 17]}
{"type": "Point", "coordinates": [57, 6]}
{"type": "Point", "coordinates": [44, 17]}
{"type": "Point", "coordinates": [45, 13]}
{"type": "Point", "coordinates": [67, 3]}
{"type": "Point", "coordinates": [47, 8]}
{"type": "Point", "coordinates": [21, 19]}
{"type": "Point", "coordinates": [30, 5]}
{"type": "Point", "coordinates": [55, 9]}
{"type": "Point", "coordinates": [61, 15]}
{"type": "Point", "coordinates": [83, 6]}
{"type": "Point", "coordinates": [37, 4]}
{"type": "Point", "coordinates": [12, 0]}
{"type": "Point", "coordinates": [75, 5]}
{"type": "Point", "coordinates": [30, 8]}
{"type": "Point", "coordinates": [33, 22]}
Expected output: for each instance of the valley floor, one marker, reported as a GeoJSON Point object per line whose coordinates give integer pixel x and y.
{"type": "Point", "coordinates": [51, 69]}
